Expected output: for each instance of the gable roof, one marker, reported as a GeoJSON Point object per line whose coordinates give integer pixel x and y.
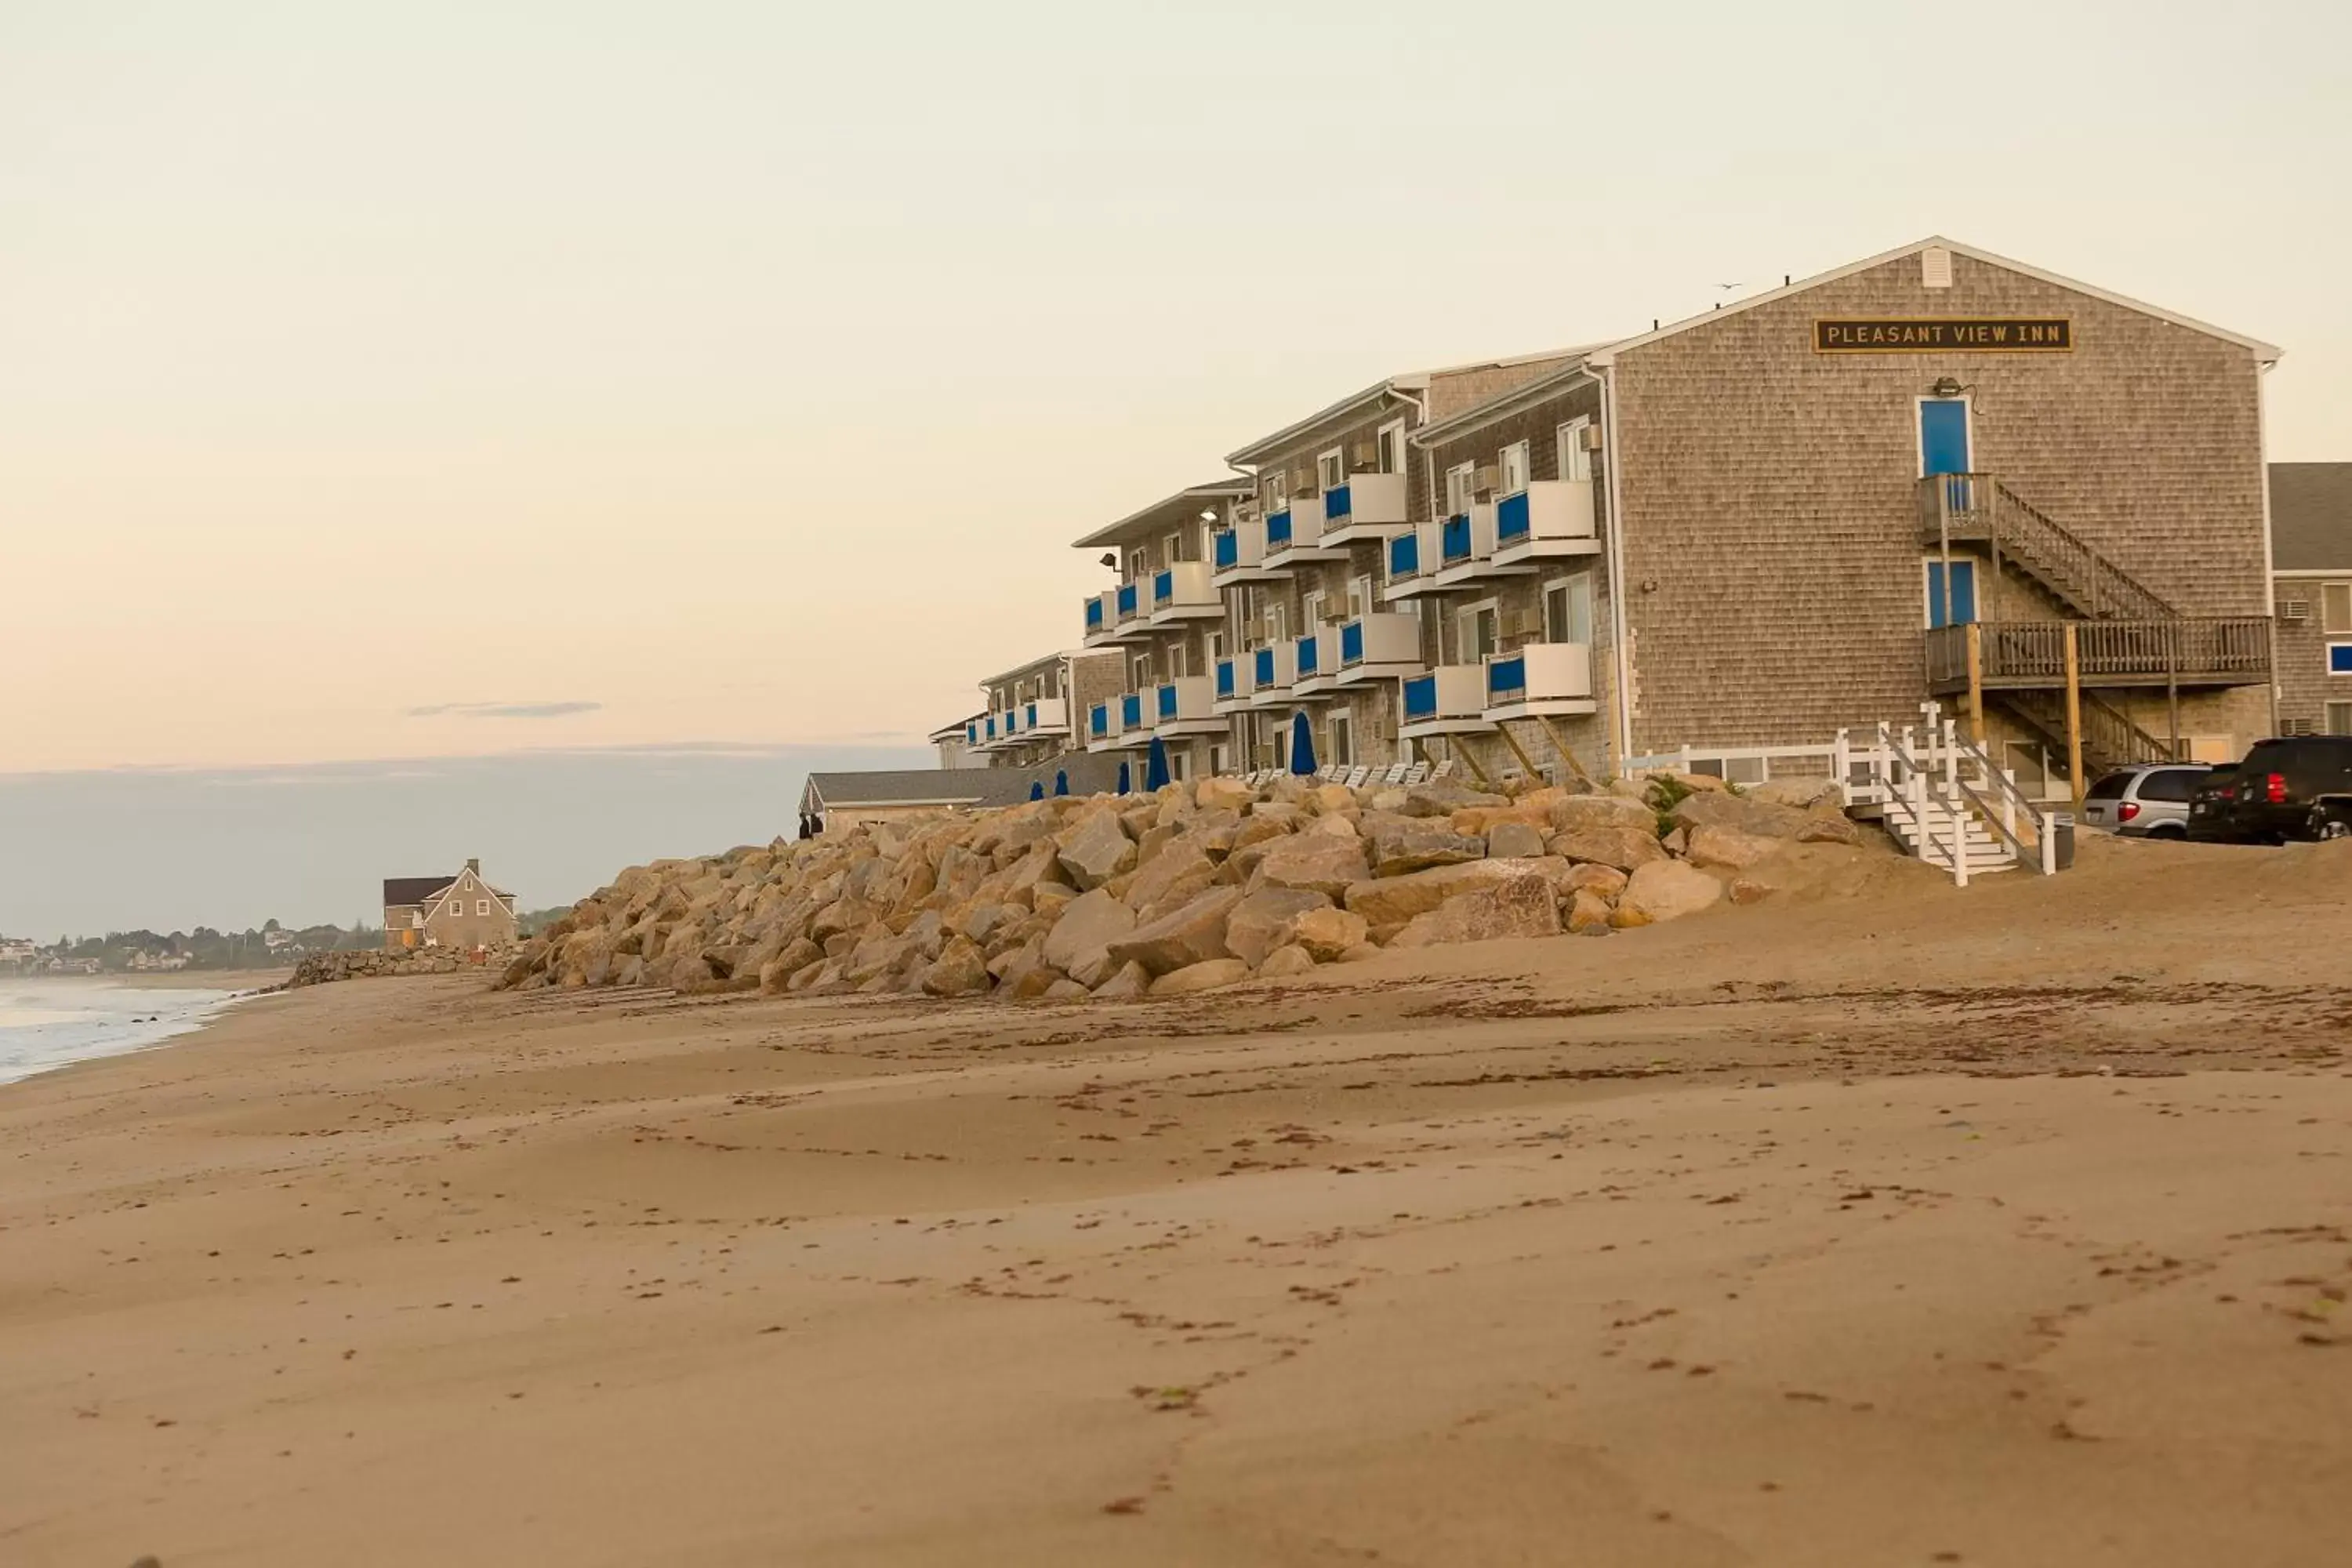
{"type": "Point", "coordinates": [2267, 353]}
{"type": "Point", "coordinates": [2311, 516]}
{"type": "Point", "coordinates": [1091, 772]}
{"type": "Point", "coordinates": [1527, 394]}
{"type": "Point", "coordinates": [1178, 508]}
{"type": "Point", "coordinates": [399, 892]}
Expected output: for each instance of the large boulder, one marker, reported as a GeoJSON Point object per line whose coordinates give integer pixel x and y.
{"type": "Point", "coordinates": [1094, 849]}
{"type": "Point", "coordinates": [1803, 793]}
{"type": "Point", "coordinates": [1193, 934]}
{"type": "Point", "coordinates": [1128, 982]}
{"type": "Point", "coordinates": [784, 965]}
{"type": "Point", "coordinates": [1514, 840]}
{"type": "Point", "coordinates": [1442, 797]}
{"type": "Point", "coordinates": [1572, 813]}
{"type": "Point", "coordinates": [1409, 844]}
{"type": "Point", "coordinates": [1624, 847]}
{"type": "Point", "coordinates": [1313, 862]}
{"type": "Point", "coordinates": [1285, 962]}
{"type": "Point", "coordinates": [1726, 849]}
{"type": "Point", "coordinates": [1394, 900]}
{"type": "Point", "coordinates": [958, 971]}
{"type": "Point", "coordinates": [1169, 879]}
{"type": "Point", "coordinates": [1090, 922]}
{"type": "Point", "coordinates": [1202, 976]}
{"type": "Point", "coordinates": [1664, 891]}
{"type": "Point", "coordinates": [1744, 814]}
{"type": "Point", "coordinates": [1328, 932]}
{"type": "Point", "coordinates": [1590, 875]}
{"type": "Point", "coordinates": [1232, 794]}
{"type": "Point", "coordinates": [1268, 919]}
{"type": "Point", "coordinates": [1522, 906]}
{"type": "Point", "coordinates": [1588, 913]}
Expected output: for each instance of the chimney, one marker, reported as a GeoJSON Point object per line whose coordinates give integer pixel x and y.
{"type": "Point", "coordinates": [475, 867]}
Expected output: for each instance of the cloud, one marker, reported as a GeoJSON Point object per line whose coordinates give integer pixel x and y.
{"type": "Point", "coordinates": [504, 709]}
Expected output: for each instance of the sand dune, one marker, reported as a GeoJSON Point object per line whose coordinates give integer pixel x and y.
{"type": "Point", "coordinates": [1883, 1224]}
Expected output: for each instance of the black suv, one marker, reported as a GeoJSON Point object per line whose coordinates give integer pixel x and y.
{"type": "Point", "coordinates": [2299, 788]}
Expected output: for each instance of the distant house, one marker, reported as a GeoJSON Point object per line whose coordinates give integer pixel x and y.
{"type": "Point", "coordinates": [461, 911]}
{"type": "Point", "coordinates": [142, 962]}
{"type": "Point", "coordinates": [16, 952]}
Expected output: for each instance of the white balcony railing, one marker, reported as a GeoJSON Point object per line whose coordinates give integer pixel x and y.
{"type": "Point", "coordinates": [1369, 506]}
{"type": "Point", "coordinates": [1539, 678]}
{"type": "Point", "coordinates": [1549, 518]}
{"type": "Point", "coordinates": [1384, 643]}
{"type": "Point", "coordinates": [1449, 699]}
{"type": "Point", "coordinates": [1184, 591]}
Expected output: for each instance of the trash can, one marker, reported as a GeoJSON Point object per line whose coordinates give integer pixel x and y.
{"type": "Point", "coordinates": [2062, 829]}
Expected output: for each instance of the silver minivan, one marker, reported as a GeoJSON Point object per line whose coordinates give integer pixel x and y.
{"type": "Point", "coordinates": [2149, 801]}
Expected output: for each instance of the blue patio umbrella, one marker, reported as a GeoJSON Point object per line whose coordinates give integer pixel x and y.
{"type": "Point", "coordinates": [1302, 745]}
{"type": "Point", "coordinates": [1126, 781]}
{"type": "Point", "coordinates": [1155, 766]}
{"type": "Point", "coordinates": [1037, 790]}
{"type": "Point", "coordinates": [1061, 781]}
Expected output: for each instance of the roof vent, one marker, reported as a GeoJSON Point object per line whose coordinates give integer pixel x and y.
{"type": "Point", "coordinates": [1936, 268]}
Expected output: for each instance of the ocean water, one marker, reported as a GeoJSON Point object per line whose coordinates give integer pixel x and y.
{"type": "Point", "coordinates": [46, 1024]}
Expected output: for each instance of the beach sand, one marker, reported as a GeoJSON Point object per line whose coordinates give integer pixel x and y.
{"type": "Point", "coordinates": [1881, 1224]}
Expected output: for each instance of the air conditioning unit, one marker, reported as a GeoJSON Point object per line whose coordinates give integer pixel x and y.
{"type": "Point", "coordinates": [1521, 623]}
{"type": "Point", "coordinates": [1489, 476]}
{"type": "Point", "coordinates": [2297, 728]}
{"type": "Point", "coordinates": [1364, 456]}
{"type": "Point", "coordinates": [2295, 609]}
{"type": "Point", "coordinates": [1589, 439]}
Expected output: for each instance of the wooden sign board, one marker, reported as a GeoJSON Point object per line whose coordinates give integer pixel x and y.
{"type": "Point", "coordinates": [1946, 334]}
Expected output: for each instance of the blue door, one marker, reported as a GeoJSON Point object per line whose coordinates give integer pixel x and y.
{"type": "Point", "coordinates": [1942, 437]}
{"type": "Point", "coordinates": [1964, 593]}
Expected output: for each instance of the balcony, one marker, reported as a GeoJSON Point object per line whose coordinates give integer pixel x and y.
{"type": "Point", "coordinates": [1448, 701]}
{"type": "Point", "coordinates": [1466, 547]}
{"type": "Point", "coordinates": [1364, 510]}
{"type": "Point", "coordinates": [1540, 680]}
{"type": "Point", "coordinates": [1551, 520]}
{"type": "Point", "coordinates": [1295, 534]}
{"type": "Point", "coordinates": [1118, 724]}
{"type": "Point", "coordinates": [1272, 672]}
{"type": "Point", "coordinates": [1046, 716]}
{"type": "Point", "coordinates": [1316, 660]}
{"type": "Point", "coordinates": [1413, 558]}
{"type": "Point", "coordinates": [1187, 706]}
{"type": "Point", "coordinates": [1381, 646]}
{"type": "Point", "coordinates": [2188, 651]}
{"type": "Point", "coordinates": [1184, 591]}
{"type": "Point", "coordinates": [1101, 618]}
{"type": "Point", "coordinates": [1239, 554]}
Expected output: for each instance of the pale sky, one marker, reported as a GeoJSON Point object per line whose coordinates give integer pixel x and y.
{"type": "Point", "coordinates": [594, 375]}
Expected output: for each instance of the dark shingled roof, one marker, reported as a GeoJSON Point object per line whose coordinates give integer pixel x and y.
{"type": "Point", "coordinates": [2311, 516]}
{"type": "Point", "coordinates": [399, 891]}
{"type": "Point", "coordinates": [1091, 772]}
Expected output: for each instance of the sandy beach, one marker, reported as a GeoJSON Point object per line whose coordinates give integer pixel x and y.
{"type": "Point", "coordinates": [1880, 1224]}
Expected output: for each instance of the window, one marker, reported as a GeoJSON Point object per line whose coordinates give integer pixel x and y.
{"type": "Point", "coordinates": [2339, 718]}
{"type": "Point", "coordinates": [1141, 666]}
{"type": "Point", "coordinates": [1342, 741]}
{"type": "Point", "coordinates": [1220, 759]}
{"type": "Point", "coordinates": [1310, 612]}
{"type": "Point", "coordinates": [2339, 658]}
{"type": "Point", "coordinates": [1568, 609]}
{"type": "Point", "coordinates": [1461, 489]}
{"type": "Point", "coordinates": [482, 906]}
{"type": "Point", "coordinates": [1962, 605]}
{"type": "Point", "coordinates": [1359, 598]}
{"type": "Point", "coordinates": [2171, 783]}
{"type": "Point", "coordinates": [1514, 469]}
{"type": "Point", "coordinates": [1277, 494]}
{"type": "Point", "coordinates": [1331, 469]}
{"type": "Point", "coordinates": [1475, 632]}
{"type": "Point", "coordinates": [1390, 448]}
{"type": "Point", "coordinates": [1138, 565]}
{"type": "Point", "coordinates": [1277, 621]}
{"type": "Point", "coordinates": [1214, 644]}
{"type": "Point", "coordinates": [1174, 546]}
{"type": "Point", "coordinates": [2335, 607]}
{"type": "Point", "coordinates": [1177, 663]}
{"type": "Point", "coordinates": [1575, 462]}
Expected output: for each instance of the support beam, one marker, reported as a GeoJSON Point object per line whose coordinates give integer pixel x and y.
{"type": "Point", "coordinates": [1976, 683]}
{"type": "Point", "coordinates": [1459, 747]}
{"type": "Point", "coordinates": [1512, 740]}
{"type": "Point", "coordinates": [1559, 744]}
{"type": "Point", "coordinates": [2075, 719]}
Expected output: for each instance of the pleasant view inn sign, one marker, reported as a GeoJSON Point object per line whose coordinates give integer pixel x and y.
{"type": "Point", "coordinates": [2031, 334]}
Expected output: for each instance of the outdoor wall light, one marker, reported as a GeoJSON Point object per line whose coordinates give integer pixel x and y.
{"type": "Point", "coordinates": [1110, 561]}
{"type": "Point", "coordinates": [1947, 387]}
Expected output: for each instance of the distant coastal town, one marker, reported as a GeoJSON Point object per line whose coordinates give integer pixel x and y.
{"type": "Point", "coordinates": [270, 945]}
